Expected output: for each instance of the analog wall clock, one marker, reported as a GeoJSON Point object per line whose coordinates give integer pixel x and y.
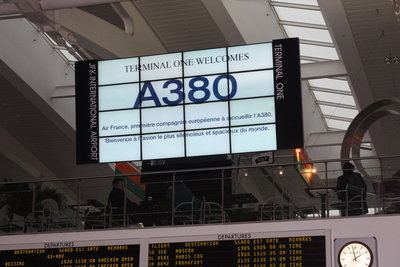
{"type": "Point", "coordinates": [355, 252]}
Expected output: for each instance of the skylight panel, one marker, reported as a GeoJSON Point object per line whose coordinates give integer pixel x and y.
{"type": "Point", "coordinates": [318, 51]}
{"type": "Point", "coordinates": [67, 55]}
{"type": "Point", "coordinates": [366, 146]}
{"type": "Point", "coordinates": [68, 44]}
{"type": "Point", "coordinates": [302, 19]}
{"type": "Point", "coordinates": [50, 39]}
{"type": "Point", "coordinates": [308, 34]}
{"type": "Point", "coordinates": [337, 124]}
{"type": "Point", "coordinates": [334, 98]}
{"type": "Point", "coordinates": [300, 2]}
{"type": "Point", "coordinates": [300, 15]}
{"type": "Point", "coordinates": [335, 84]}
{"type": "Point", "coordinates": [304, 61]}
{"type": "Point", "coordinates": [338, 111]}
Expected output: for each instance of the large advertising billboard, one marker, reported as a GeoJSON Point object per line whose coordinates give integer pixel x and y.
{"type": "Point", "coordinates": [207, 102]}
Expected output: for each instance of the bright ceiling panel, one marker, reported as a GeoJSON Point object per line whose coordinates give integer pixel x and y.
{"type": "Point", "coordinates": [317, 51]}
{"type": "Point", "coordinates": [334, 98]}
{"type": "Point", "coordinates": [337, 124]}
{"type": "Point", "coordinates": [300, 15]}
{"type": "Point", "coordinates": [329, 83]}
{"type": "Point", "coordinates": [300, 2]}
{"type": "Point", "coordinates": [338, 111]}
{"type": "Point", "coordinates": [308, 34]}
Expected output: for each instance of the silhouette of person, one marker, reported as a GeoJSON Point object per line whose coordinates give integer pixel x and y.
{"type": "Point", "coordinates": [352, 189]}
{"type": "Point", "coordinates": [117, 198]}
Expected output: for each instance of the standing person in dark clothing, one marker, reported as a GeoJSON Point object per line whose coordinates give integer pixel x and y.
{"type": "Point", "coordinates": [117, 199]}
{"type": "Point", "coordinates": [352, 190]}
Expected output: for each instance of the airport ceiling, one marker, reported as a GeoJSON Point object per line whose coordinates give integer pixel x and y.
{"type": "Point", "coordinates": [37, 97]}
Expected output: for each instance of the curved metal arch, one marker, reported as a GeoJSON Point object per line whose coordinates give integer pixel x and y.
{"type": "Point", "coordinates": [359, 126]}
{"type": "Point", "coordinates": [355, 148]}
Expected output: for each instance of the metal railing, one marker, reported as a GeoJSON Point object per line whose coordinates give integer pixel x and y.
{"type": "Point", "coordinates": [280, 191]}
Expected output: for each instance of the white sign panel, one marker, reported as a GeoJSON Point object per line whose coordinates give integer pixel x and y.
{"type": "Point", "coordinates": [196, 103]}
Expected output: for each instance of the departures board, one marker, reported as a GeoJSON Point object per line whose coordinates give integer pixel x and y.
{"type": "Point", "coordinates": [252, 249]}
{"type": "Point", "coordinates": [304, 251]}
{"type": "Point", "coordinates": [92, 256]}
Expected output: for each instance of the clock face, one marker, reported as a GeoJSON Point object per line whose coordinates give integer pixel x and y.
{"type": "Point", "coordinates": [355, 254]}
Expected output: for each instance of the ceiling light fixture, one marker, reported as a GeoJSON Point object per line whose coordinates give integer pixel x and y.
{"type": "Point", "coordinates": [281, 171]}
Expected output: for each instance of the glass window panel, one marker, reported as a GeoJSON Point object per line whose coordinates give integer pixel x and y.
{"type": "Point", "coordinates": [338, 111]}
{"type": "Point", "coordinates": [54, 43]}
{"type": "Point", "coordinates": [337, 124]}
{"type": "Point", "coordinates": [252, 111]}
{"type": "Point", "coordinates": [303, 61]}
{"type": "Point", "coordinates": [300, 2]}
{"type": "Point", "coordinates": [250, 57]}
{"type": "Point", "coordinates": [336, 84]}
{"type": "Point", "coordinates": [118, 71]}
{"type": "Point", "coordinates": [159, 67]}
{"type": "Point", "coordinates": [366, 145]}
{"type": "Point", "coordinates": [68, 44]}
{"type": "Point", "coordinates": [162, 119]}
{"type": "Point", "coordinates": [334, 98]}
{"type": "Point", "coordinates": [67, 55]}
{"type": "Point", "coordinates": [119, 122]}
{"type": "Point", "coordinates": [300, 15]}
{"type": "Point", "coordinates": [318, 51]}
{"type": "Point", "coordinates": [208, 115]}
{"type": "Point", "coordinates": [207, 142]}
{"type": "Point", "coordinates": [310, 34]}
{"type": "Point", "coordinates": [170, 145]}
{"type": "Point", "coordinates": [253, 138]}
{"type": "Point", "coordinates": [115, 149]}
{"type": "Point", "coordinates": [118, 96]}
{"type": "Point", "coordinates": [202, 62]}
{"type": "Point", "coordinates": [251, 84]}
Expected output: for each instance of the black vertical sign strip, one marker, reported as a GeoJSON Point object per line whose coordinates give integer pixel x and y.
{"type": "Point", "coordinates": [289, 119]}
{"type": "Point", "coordinates": [86, 110]}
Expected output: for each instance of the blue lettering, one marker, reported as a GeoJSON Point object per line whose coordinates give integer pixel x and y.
{"type": "Point", "coordinates": [195, 87]}
{"type": "Point", "coordinates": [198, 91]}
{"type": "Point", "coordinates": [141, 97]}
{"type": "Point", "coordinates": [177, 91]}
{"type": "Point", "coordinates": [233, 88]}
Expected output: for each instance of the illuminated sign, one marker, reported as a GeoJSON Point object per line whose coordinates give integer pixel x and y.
{"type": "Point", "coordinates": [236, 249]}
{"type": "Point", "coordinates": [111, 255]}
{"type": "Point", "coordinates": [207, 102]}
{"type": "Point", "coordinates": [241, 250]}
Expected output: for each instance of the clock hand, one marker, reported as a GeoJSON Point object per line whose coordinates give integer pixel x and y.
{"type": "Point", "coordinates": [360, 255]}
{"type": "Point", "coordinates": [354, 254]}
